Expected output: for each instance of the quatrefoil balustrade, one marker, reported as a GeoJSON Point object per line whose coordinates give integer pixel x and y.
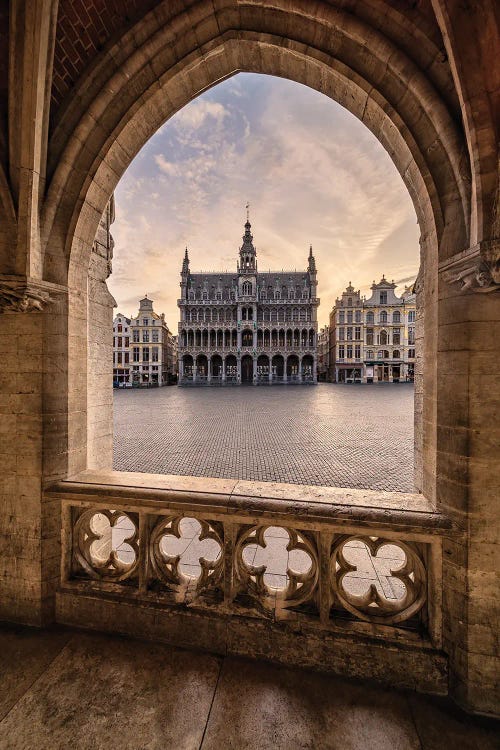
{"type": "Point", "coordinates": [378, 580]}
{"type": "Point", "coordinates": [277, 566]}
{"type": "Point", "coordinates": [186, 553]}
{"type": "Point", "coordinates": [107, 546]}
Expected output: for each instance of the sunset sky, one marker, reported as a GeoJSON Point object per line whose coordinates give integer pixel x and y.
{"type": "Point", "coordinates": [310, 170]}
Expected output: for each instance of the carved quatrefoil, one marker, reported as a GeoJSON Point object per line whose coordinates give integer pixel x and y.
{"type": "Point", "coordinates": [371, 605]}
{"type": "Point", "coordinates": [106, 544]}
{"type": "Point", "coordinates": [275, 592]}
{"type": "Point", "coordinates": [186, 553]}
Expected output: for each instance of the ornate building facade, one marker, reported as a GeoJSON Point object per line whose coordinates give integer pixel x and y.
{"type": "Point", "coordinates": [248, 327]}
{"type": "Point", "coordinates": [144, 349]}
{"type": "Point", "coordinates": [373, 340]}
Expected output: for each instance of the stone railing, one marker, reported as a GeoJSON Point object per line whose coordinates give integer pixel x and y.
{"type": "Point", "coordinates": [326, 561]}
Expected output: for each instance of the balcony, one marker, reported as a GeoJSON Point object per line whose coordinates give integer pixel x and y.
{"type": "Point", "coordinates": [120, 572]}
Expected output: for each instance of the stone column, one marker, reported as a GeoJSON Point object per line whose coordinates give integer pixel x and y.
{"type": "Point", "coordinates": [209, 368]}
{"type": "Point", "coordinates": [238, 367]}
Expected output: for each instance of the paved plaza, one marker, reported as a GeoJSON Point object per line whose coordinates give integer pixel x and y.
{"type": "Point", "coordinates": [330, 434]}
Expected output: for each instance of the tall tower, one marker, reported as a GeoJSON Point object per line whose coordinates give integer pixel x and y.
{"type": "Point", "coordinates": [248, 253]}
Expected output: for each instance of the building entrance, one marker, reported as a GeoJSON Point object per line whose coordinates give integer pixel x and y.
{"type": "Point", "coordinates": [247, 369]}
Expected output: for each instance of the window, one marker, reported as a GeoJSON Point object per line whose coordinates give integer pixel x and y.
{"type": "Point", "coordinates": [349, 302]}
{"type": "Point", "coordinates": [119, 358]}
{"type": "Point", "coordinates": [263, 294]}
{"type": "Point", "coordinates": [205, 295]}
{"type": "Point", "coordinates": [154, 354]}
{"type": "Point", "coordinates": [341, 334]}
{"type": "Point", "coordinates": [120, 328]}
{"type": "Point", "coordinates": [341, 316]}
{"type": "Point", "coordinates": [341, 351]}
{"type": "Point", "coordinates": [126, 358]}
{"type": "Point", "coordinates": [370, 317]}
{"type": "Point", "coordinates": [396, 316]}
{"type": "Point", "coordinates": [369, 354]}
{"type": "Point", "coordinates": [135, 335]}
{"type": "Point", "coordinates": [411, 353]}
{"type": "Point", "coordinates": [349, 316]}
{"type": "Point", "coordinates": [145, 353]}
{"type": "Point", "coordinates": [384, 338]}
{"type": "Point", "coordinates": [349, 334]}
{"type": "Point", "coordinates": [411, 316]}
{"type": "Point", "coordinates": [305, 295]}
{"type": "Point", "coordinates": [135, 353]}
{"type": "Point", "coordinates": [155, 336]}
{"type": "Point", "coordinates": [396, 354]}
{"type": "Point", "coordinates": [277, 294]}
{"type": "Point", "coordinates": [358, 316]}
{"type": "Point", "coordinates": [145, 321]}
{"type": "Point", "coordinates": [411, 335]}
{"type": "Point", "coordinates": [219, 296]}
{"type": "Point", "coordinates": [396, 336]}
{"type": "Point", "coordinates": [357, 351]}
{"type": "Point", "coordinates": [349, 351]}
{"type": "Point", "coordinates": [127, 341]}
{"type": "Point", "coordinates": [145, 337]}
{"type": "Point", "coordinates": [383, 298]}
{"type": "Point", "coordinates": [291, 294]}
{"type": "Point", "coordinates": [369, 336]}
{"type": "Point", "coordinates": [383, 316]}
{"type": "Point", "coordinates": [357, 333]}
{"type": "Point", "coordinates": [246, 288]}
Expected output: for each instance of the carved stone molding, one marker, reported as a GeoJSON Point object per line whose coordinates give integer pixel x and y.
{"type": "Point", "coordinates": [23, 294]}
{"type": "Point", "coordinates": [476, 269]}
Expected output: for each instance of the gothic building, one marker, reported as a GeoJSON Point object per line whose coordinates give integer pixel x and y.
{"type": "Point", "coordinates": [248, 326]}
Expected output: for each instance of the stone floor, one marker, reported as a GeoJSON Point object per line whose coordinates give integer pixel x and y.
{"type": "Point", "coordinates": [329, 434]}
{"type": "Point", "coordinates": [64, 689]}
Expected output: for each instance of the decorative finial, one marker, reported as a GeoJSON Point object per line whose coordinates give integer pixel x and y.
{"type": "Point", "coordinates": [248, 211]}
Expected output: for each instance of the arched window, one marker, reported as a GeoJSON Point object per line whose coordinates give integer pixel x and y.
{"type": "Point", "coordinates": [383, 316]}
{"type": "Point", "coordinates": [263, 294]}
{"type": "Point", "coordinates": [395, 354]}
{"type": "Point", "coordinates": [205, 295]}
{"type": "Point", "coordinates": [370, 317]}
{"type": "Point", "coordinates": [277, 294]}
{"type": "Point", "coordinates": [246, 288]}
{"type": "Point", "coordinates": [396, 316]}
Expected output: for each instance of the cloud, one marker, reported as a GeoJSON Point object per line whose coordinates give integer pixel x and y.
{"type": "Point", "coordinates": [311, 172]}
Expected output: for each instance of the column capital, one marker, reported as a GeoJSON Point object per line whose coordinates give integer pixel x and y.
{"type": "Point", "coordinates": [26, 294]}
{"type": "Point", "coordinates": [476, 269]}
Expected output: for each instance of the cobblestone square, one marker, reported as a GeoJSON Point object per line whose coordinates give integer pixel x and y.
{"type": "Point", "coordinates": [330, 434]}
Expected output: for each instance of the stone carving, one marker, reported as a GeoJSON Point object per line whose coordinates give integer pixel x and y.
{"type": "Point", "coordinates": [475, 271]}
{"type": "Point", "coordinates": [96, 550]}
{"type": "Point", "coordinates": [300, 586]}
{"type": "Point", "coordinates": [371, 605]}
{"type": "Point", "coordinates": [18, 294]}
{"type": "Point", "coordinates": [168, 567]}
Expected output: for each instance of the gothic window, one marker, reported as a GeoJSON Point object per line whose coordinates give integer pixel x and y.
{"type": "Point", "coordinates": [291, 294]}
{"type": "Point", "coordinates": [191, 294]}
{"type": "Point", "coordinates": [263, 294]}
{"type": "Point", "coordinates": [305, 295]}
{"type": "Point", "coordinates": [219, 296]}
{"type": "Point", "coordinates": [243, 313]}
{"type": "Point", "coordinates": [277, 294]}
{"type": "Point", "coordinates": [396, 316]}
{"type": "Point", "coordinates": [370, 317]}
{"type": "Point", "coordinates": [247, 288]}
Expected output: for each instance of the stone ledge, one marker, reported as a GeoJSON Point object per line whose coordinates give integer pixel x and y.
{"type": "Point", "coordinates": [299, 504]}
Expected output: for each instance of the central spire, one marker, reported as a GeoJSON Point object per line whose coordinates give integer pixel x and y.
{"type": "Point", "coordinates": [248, 252]}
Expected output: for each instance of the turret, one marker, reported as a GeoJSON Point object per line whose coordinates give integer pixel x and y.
{"type": "Point", "coordinates": [311, 269]}
{"type": "Point", "coordinates": [185, 275]}
{"type": "Point", "coordinates": [248, 253]}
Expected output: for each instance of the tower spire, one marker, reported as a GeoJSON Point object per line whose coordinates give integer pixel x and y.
{"type": "Point", "coordinates": [311, 266]}
{"type": "Point", "coordinates": [247, 250]}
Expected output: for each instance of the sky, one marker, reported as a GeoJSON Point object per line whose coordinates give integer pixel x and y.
{"type": "Point", "coordinates": [311, 172]}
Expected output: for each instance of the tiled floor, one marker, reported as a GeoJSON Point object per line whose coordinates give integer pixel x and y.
{"type": "Point", "coordinates": [329, 434]}
{"type": "Point", "coordinates": [67, 689]}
